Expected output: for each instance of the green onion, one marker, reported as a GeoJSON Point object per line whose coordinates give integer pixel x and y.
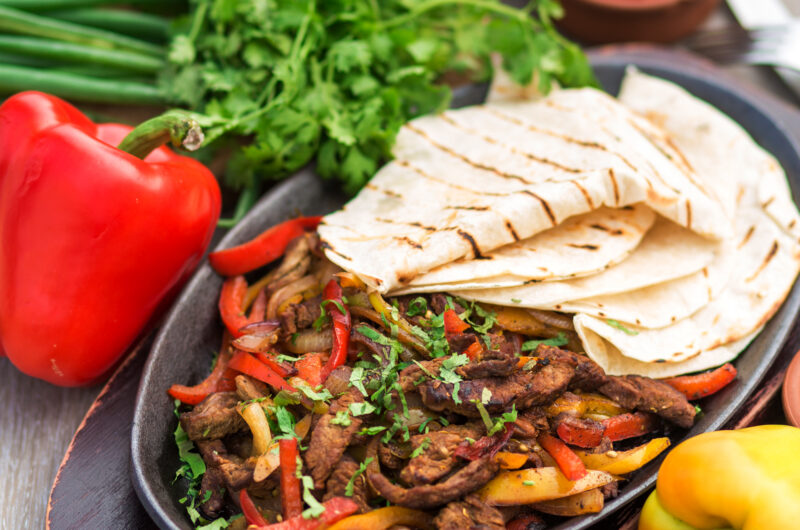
{"type": "Point", "coordinates": [68, 52]}
{"type": "Point", "coordinates": [77, 87]}
{"type": "Point", "coordinates": [15, 21]}
{"type": "Point", "coordinates": [145, 26]}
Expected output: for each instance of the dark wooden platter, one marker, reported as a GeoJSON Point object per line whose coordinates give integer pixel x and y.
{"type": "Point", "coordinates": [93, 488]}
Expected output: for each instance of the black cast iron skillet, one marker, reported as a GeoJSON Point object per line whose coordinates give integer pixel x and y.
{"type": "Point", "coordinates": [185, 346]}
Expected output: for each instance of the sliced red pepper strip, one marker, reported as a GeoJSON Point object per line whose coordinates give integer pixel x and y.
{"type": "Point", "coordinates": [702, 385]}
{"type": "Point", "coordinates": [474, 350]}
{"type": "Point", "coordinates": [249, 365]}
{"type": "Point", "coordinates": [568, 462]}
{"type": "Point", "coordinates": [629, 425]}
{"type": "Point", "coordinates": [280, 368]}
{"type": "Point", "coordinates": [341, 327]}
{"type": "Point", "coordinates": [582, 436]}
{"type": "Point", "coordinates": [251, 513]}
{"type": "Point", "coordinates": [309, 367]}
{"type": "Point", "coordinates": [453, 325]}
{"type": "Point", "coordinates": [291, 500]}
{"type": "Point", "coordinates": [263, 249]}
{"type": "Point", "coordinates": [230, 305]}
{"type": "Point", "coordinates": [218, 380]}
{"type": "Point", "coordinates": [485, 445]}
{"type": "Point", "coordinates": [258, 311]}
{"type": "Point", "coordinates": [336, 509]}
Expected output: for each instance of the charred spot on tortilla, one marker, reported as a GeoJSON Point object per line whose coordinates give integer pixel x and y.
{"type": "Point", "coordinates": [464, 158]}
{"type": "Point", "coordinates": [423, 174]}
{"type": "Point", "coordinates": [511, 230]}
{"type": "Point", "coordinates": [415, 224]}
{"type": "Point", "coordinates": [660, 360]}
{"type": "Point", "coordinates": [771, 254]}
{"type": "Point", "coordinates": [545, 206]}
{"type": "Point", "coordinates": [390, 193]}
{"type": "Point", "coordinates": [766, 203]}
{"type": "Point", "coordinates": [585, 246]}
{"type": "Point", "coordinates": [626, 207]}
{"type": "Point", "coordinates": [409, 241]}
{"type": "Point", "coordinates": [614, 183]}
{"type": "Point", "coordinates": [470, 208]}
{"type": "Point", "coordinates": [585, 193]}
{"type": "Point", "coordinates": [746, 237]}
{"type": "Point", "coordinates": [792, 223]}
{"type": "Point", "coordinates": [688, 214]}
{"type": "Point", "coordinates": [466, 236]}
{"type": "Point", "coordinates": [324, 245]}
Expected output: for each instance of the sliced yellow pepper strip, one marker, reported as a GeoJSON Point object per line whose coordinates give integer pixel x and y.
{"type": "Point", "coordinates": [589, 501]}
{"type": "Point", "coordinates": [512, 488]}
{"type": "Point", "coordinates": [584, 404]}
{"type": "Point", "coordinates": [384, 518]}
{"type": "Point", "coordinates": [510, 460]}
{"type": "Point", "coordinates": [621, 462]}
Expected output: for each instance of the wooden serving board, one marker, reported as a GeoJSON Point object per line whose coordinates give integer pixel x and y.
{"type": "Point", "coordinates": [93, 488]}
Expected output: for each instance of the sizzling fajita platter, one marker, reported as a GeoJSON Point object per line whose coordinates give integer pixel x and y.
{"type": "Point", "coordinates": [527, 281]}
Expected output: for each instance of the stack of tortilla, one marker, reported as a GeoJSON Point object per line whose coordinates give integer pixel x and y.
{"type": "Point", "coordinates": [653, 218]}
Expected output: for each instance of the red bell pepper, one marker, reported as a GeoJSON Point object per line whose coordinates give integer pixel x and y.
{"type": "Point", "coordinates": [485, 445]}
{"type": "Point", "coordinates": [250, 511]}
{"type": "Point", "coordinates": [309, 367]}
{"type": "Point", "coordinates": [702, 385]}
{"type": "Point", "coordinates": [291, 500]}
{"type": "Point", "coordinates": [585, 436]}
{"type": "Point", "coordinates": [474, 350]}
{"type": "Point", "coordinates": [281, 368]}
{"type": "Point", "coordinates": [231, 298]}
{"type": "Point", "coordinates": [336, 509]}
{"type": "Point", "coordinates": [249, 365]}
{"type": "Point", "coordinates": [568, 462]}
{"type": "Point", "coordinates": [332, 294]}
{"type": "Point", "coordinates": [453, 325]}
{"type": "Point", "coordinates": [94, 238]}
{"type": "Point", "coordinates": [629, 425]}
{"type": "Point", "coordinates": [219, 380]}
{"type": "Point", "coordinates": [265, 248]}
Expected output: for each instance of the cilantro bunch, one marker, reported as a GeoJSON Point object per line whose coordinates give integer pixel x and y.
{"type": "Point", "coordinates": [334, 80]}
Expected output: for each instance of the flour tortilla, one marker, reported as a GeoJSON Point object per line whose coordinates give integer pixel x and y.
{"type": "Point", "coordinates": [581, 245]}
{"type": "Point", "coordinates": [666, 253]}
{"type": "Point", "coordinates": [469, 181]}
{"type": "Point", "coordinates": [766, 254]}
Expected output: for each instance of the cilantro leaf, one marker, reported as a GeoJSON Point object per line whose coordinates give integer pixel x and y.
{"type": "Point", "coordinates": [559, 340]}
{"type": "Point", "coordinates": [616, 324]}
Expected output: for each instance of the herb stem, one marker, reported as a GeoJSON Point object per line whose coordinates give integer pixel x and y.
{"type": "Point", "coordinates": [433, 4]}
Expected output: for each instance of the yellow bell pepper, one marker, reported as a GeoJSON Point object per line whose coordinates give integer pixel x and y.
{"type": "Point", "coordinates": [743, 480]}
{"type": "Point", "coordinates": [384, 518]}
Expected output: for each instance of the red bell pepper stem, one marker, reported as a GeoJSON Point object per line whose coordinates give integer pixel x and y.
{"type": "Point", "coordinates": [309, 367]}
{"type": "Point", "coordinates": [218, 380]}
{"type": "Point", "coordinates": [247, 364]}
{"type": "Point", "coordinates": [341, 327]}
{"type": "Point", "coordinates": [568, 462]}
{"type": "Point", "coordinates": [586, 437]}
{"type": "Point", "coordinates": [336, 509]}
{"type": "Point", "coordinates": [291, 500]}
{"type": "Point", "coordinates": [231, 299]}
{"type": "Point", "coordinates": [251, 513]}
{"type": "Point", "coordinates": [629, 425]}
{"type": "Point", "coordinates": [702, 385]}
{"type": "Point", "coordinates": [174, 126]}
{"type": "Point", "coordinates": [453, 325]}
{"type": "Point", "coordinates": [263, 249]}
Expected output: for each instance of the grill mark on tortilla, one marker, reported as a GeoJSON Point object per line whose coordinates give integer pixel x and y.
{"type": "Point", "coordinates": [747, 236]}
{"type": "Point", "coordinates": [511, 230]}
{"type": "Point", "coordinates": [466, 236]}
{"type": "Point", "coordinates": [614, 232]}
{"type": "Point", "coordinates": [327, 246]}
{"type": "Point", "coordinates": [465, 159]}
{"type": "Point", "coordinates": [560, 136]}
{"type": "Point", "coordinates": [771, 254]}
{"type": "Point", "coordinates": [413, 223]}
{"type": "Point", "coordinates": [584, 247]}
{"type": "Point", "coordinates": [390, 193]}
{"type": "Point", "coordinates": [423, 174]}
{"type": "Point", "coordinates": [585, 194]}
{"type": "Point", "coordinates": [409, 241]}
{"type": "Point", "coordinates": [471, 208]}
{"type": "Point", "coordinates": [510, 148]}
{"type": "Point", "coordinates": [627, 207]}
{"type": "Point", "coordinates": [614, 182]}
{"type": "Point", "coordinates": [688, 214]}
{"type": "Point", "coordinates": [792, 223]}
{"type": "Point", "coordinates": [544, 204]}
{"type": "Point", "coordinates": [684, 160]}
{"type": "Point", "coordinates": [766, 203]}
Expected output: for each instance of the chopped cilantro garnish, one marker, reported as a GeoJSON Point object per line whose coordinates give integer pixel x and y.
{"type": "Point", "coordinates": [284, 398]}
{"type": "Point", "coordinates": [424, 425]}
{"type": "Point", "coordinates": [371, 431]}
{"type": "Point", "coordinates": [616, 324]}
{"type": "Point", "coordinates": [349, 489]}
{"type": "Point", "coordinates": [356, 377]}
{"type": "Point", "coordinates": [417, 306]}
{"type": "Point", "coordinates": [557, 341]}
{"type": "Point", "coordinates": [285, 421]}
{"type": "Point", "coordinates": [342, 419]}
{"type": "Point", "coordinates": [516, 301]}
{"type": "Point", "coordinates": [422, 446]}
{"type": "Point", "coordinates": [507, 417]}
{"type": "Point", "coordinates": [528, 483]}
{"type": "Point", "coordinates": [315, 509]}
{"type": "Point", "coordinates": [320, 394]}
{"type": "Point", "coordinates": [487, 420]}
{"type": "Point", "coordinates": [361, 409]}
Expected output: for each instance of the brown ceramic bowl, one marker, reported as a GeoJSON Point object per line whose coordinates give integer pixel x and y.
{"type": "Point", "coordinates": [603, 21]}
{"type": "Point", "coordinates": [791, 392]}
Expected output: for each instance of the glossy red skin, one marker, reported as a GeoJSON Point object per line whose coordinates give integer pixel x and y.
{"type": "Point", "coordinates": [92, 238]}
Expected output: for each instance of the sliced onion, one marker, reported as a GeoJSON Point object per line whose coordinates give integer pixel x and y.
{"type": "Point", "coordinates": [279, 296]}
{"type": "Point", "coordinates": [403, 336]}
{"type": "Point", "coordinates": [257, 341]}
{"type": "Point", "coordinates": [309, 340]}
{"type": "Point", "coordinates": [553, 318]}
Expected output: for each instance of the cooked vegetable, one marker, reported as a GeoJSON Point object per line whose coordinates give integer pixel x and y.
{"type": "Point", "coordinates": [249, 365]}
{"type": "Point", "coordinates": [742, 479]}
{"type": "Point", "coordinates": [290, 484]}
{"type": "Point", "coordinates": [219, 380]}
{"type": "Point", "coordinates": [231, 305]}
{"type": "Point", "coordinates": [254, 415]}
{"type": "Point", "coordinates": [622, 462]}
{"type": "Point", "coordinates": [384, 518]}
{"type": "Point", "coordinates": [629, 425]}
{"type": "Point", "coordinates": [568, 462]}
{"type": "Point", "coordinates": [589, 501]}
{"type": "Point", "coordinates": [341, 327]}
{"type": "Point", "coordinates": [511, 460]}
{"type": "Point", "coordinates": [526, 486]}
{"type": "Point", "coordinates": [93, 203]}
{"type": "Point", "coordinates": [335, 510]}
{"type": "Point", "coordinates": [702, 385]}
{"type": "Point", "coordinates": [251, 513]}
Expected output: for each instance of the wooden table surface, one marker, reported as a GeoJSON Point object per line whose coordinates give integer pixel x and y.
{"type": "Point", "coordinates": [37, 420]}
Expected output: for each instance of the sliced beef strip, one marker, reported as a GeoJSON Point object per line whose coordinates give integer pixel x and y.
{"type": "Point", "coordinates": [414, 374]}
{"type": "Point", "coordinates": [588, 374]}
{"type": "Point", "coordinates": [469, 514]}
{"type": "Point", "coordinates": [438, 457]}
{"type": "Point", "coordinates": [300, 316]}
{"type": "Point", "coordinates": [214, 417]}
{"type": "Point", "coordinates": [492, 364]}
{"type": "Point", "coordinates": [213, 482]}
{"type": "Point", "coordinates": [236, 473]}
{"type": "Point", "coordinates": [329, 441]}
{"type": "Point", "coordinates": [649, 395]}
{"type": "Point", "coordinates": [465, 480]}
{"type": "Point", "coordinates": [523, 388]}
{"type": "Point", "coordinates": [392, 455]}
{"type": "Point", "coordinates": [337, 483]}
{"type": "Point", "coordinates": [360, 342]}
{"type": "Point", "coordinates": [438, 303]}
{"type": "Point", "coordinates": [531, 422]}
{"type": "Point", "coordinates": [248, 388]}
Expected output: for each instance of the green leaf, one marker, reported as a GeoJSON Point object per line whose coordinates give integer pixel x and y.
{"type": "Point", "coordinates": [616, 324]}
{"type": "Point", "coordinates": [557, 341]}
